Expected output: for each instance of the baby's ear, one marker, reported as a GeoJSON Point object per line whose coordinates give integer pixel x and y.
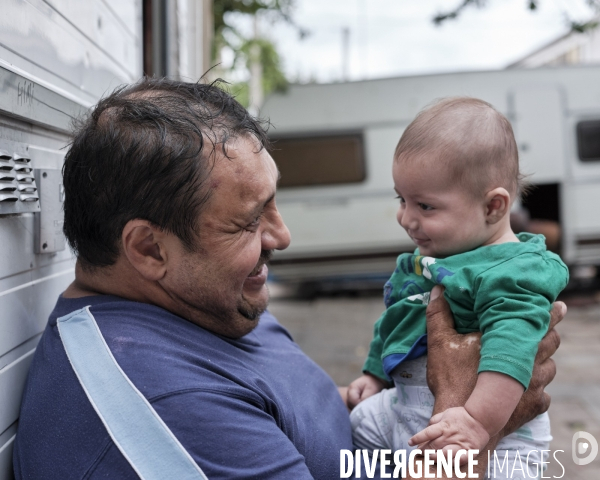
{"type": "Point", "coordinates": [497, 205]}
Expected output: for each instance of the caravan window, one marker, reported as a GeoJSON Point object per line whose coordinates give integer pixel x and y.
{"type": "Point", "coordinates": [588, 140]}
{"type": "Point", "coordinates": [319, 160]}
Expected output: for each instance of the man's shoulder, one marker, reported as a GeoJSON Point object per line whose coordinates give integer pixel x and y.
{"type": "Point", "coordinates": [165, 354]}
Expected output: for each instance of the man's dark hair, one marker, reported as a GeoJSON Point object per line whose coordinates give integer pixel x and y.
{"type": "Point", "coordinates": [145, 152]}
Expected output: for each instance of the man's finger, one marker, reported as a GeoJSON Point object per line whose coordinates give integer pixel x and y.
{"type": "Point", "coordinates": [558, 312]}
{"type": "Point", "coordinates": [439, 316]}
{"type": "Point", "coordinates": [547, 346]}
{"type": "Point", "coordinates": [551, 341]}
{"type": "Point", "coordinates": [544, 373]}
{"type": "Point", "coordinates": [546, 402]}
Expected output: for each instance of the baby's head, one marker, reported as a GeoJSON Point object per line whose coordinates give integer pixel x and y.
{"type": "Point", "coordinates": [456, 171]}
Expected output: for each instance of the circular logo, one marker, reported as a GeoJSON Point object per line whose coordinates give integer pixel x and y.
{"type": "Point", "coordinates": [584, 448]}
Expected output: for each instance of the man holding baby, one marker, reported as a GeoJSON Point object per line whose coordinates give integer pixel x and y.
{"type": "Point", "coordinates": [170, 208]}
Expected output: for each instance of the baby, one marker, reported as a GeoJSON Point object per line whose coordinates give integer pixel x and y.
{"type": "Point", "coordinates": [456, 173]}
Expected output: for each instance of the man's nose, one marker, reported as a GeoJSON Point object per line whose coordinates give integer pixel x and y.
{"type": "Point", "coordinates": [276, 236]}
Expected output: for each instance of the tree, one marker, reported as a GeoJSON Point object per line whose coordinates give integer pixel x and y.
{"type": "Point", "coordinates": [531, 4]}
{"type": "Point", "coordinates": [255, 54]}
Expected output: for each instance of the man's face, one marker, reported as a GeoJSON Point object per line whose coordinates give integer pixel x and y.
{"type": "Point", "coordinates": [222, 286]}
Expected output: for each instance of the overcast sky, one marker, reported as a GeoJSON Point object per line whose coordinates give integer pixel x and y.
{"type": "Point", "coordinates": [397, 37]}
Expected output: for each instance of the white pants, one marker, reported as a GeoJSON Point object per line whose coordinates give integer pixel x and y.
{"type": "Point", "coordinates": [387, 420]}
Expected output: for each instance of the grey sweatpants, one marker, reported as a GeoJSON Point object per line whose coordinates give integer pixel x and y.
{"type": "Point", "coordinates": [388, 419]}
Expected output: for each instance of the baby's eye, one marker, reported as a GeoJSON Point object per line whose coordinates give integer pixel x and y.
{"type": "Point", "coordinates": [400, 198]}
{"type": "Point", "coordinates": [424, 206]}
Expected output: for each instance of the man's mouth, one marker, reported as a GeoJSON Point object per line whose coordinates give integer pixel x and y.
{"type": "Point", "coordinates": [265, 256]}
{"type": "Point", "coordinates": [256, 270]}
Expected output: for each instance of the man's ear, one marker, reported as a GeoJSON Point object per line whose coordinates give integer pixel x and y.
{"type": "Point", "coordinates": [497, 205]}
{"type": "Point", "coordinates": [144, 248]}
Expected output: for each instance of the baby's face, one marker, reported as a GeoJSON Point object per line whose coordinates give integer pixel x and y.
{"type": "Point", "coordinates": [439, 216]}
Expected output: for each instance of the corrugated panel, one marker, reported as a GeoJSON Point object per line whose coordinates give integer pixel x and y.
{"type": "Point", "coordinates": [25, 307]}
{"type": "Point", "coordinates": [12, 378]}
{"type": "Point", "coordinates": [57, 58]}
{"type": "Point", "coordinates": [29, 287]}
{"type": "Point", "coordinates": [78, 48]}
{"type": "Point", "coordinates": [29, 283]}
{"type": "Point", "coordinates": [33, 102]}
{"type": "Point", "coordinates": [6, 447]}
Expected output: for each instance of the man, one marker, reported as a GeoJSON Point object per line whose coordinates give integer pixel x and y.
{"type": "Point", "coordinates": [170, 208]}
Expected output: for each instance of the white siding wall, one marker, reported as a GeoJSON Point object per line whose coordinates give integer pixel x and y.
{"type": "Point", "coordinates": [71, 52]}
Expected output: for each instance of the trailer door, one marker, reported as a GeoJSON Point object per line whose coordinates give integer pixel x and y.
{"type": "Point", "coordinates": [538, 121]}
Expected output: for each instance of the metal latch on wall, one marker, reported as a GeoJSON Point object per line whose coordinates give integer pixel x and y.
{"type": "Point", "coordinates": [49, 237]}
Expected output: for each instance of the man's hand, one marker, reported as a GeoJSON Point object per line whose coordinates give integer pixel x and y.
{"type": "Point", "coordinates": [452, 358]}
{"type": "Point", "coordinates": [452, 362]}
{"type": "Point", "coordinates": [364, 387]}
{"type": "Point", "coordinates": [535, 401]}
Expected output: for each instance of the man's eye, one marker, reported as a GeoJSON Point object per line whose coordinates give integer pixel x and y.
{"type": "Point", "coordinates": [424, 206]}
{"type": "Point", "coordinates": [255, 222]}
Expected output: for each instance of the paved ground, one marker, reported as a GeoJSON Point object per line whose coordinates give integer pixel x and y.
{"type": "Point", "coordinates": [336, 332]}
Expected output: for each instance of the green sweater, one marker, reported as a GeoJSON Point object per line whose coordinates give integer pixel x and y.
{"type": "Point", "coordinates": [505, 291]}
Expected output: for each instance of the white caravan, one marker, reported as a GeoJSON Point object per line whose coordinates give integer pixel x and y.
{"type": "Point", "coordinates": [57, 58]}
{"type": "Point", "coordinates": [335, 142]}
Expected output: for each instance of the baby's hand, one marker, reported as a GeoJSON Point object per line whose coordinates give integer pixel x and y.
{"type": "Point", "coordinates": [364, 387]}
{"type": "Point", "coordinates": [453, 429]}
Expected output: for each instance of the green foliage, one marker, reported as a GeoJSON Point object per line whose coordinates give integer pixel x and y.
{"type": "Point", "coordinates": [227, 35]}
{"type": "Point", "coordinates": [273, 77]}
{"type": "Point", "coordinates": [241, 92]}
{"type": "Point", "coordinates": [221, 8]}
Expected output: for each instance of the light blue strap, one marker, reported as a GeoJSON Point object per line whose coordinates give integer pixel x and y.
{"type": "Point", "coordinates": [135, 427]}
